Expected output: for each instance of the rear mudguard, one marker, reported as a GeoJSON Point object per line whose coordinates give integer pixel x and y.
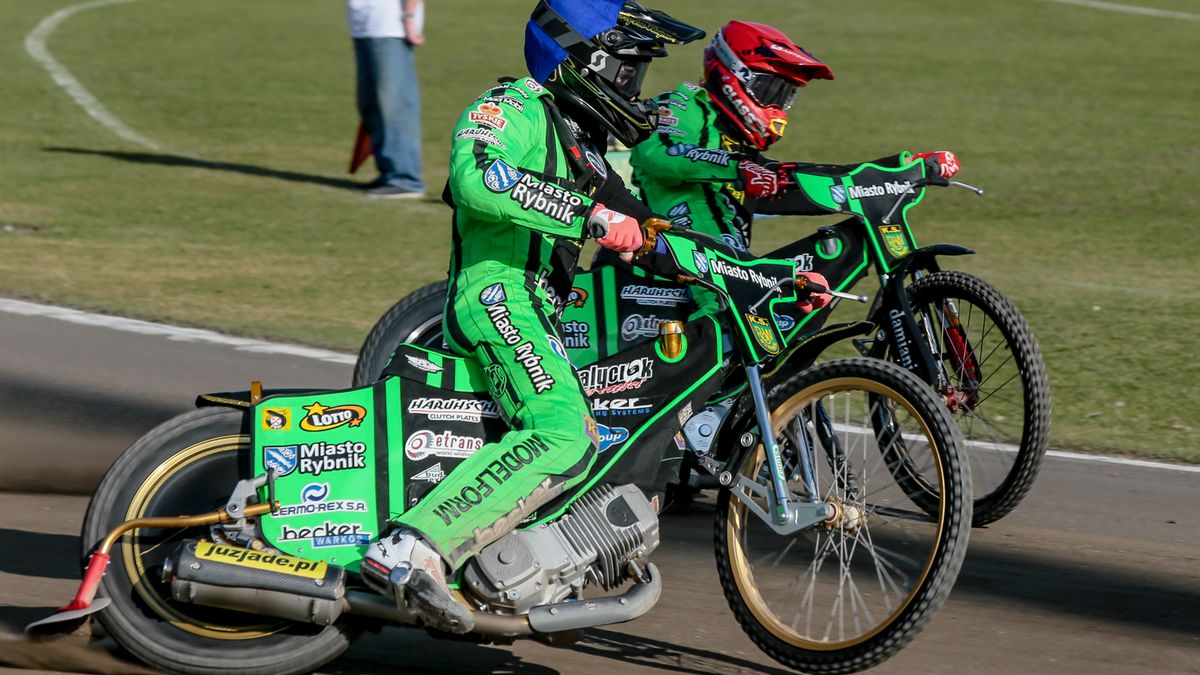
{"type": "Point", "coordinates": [798, 356]}
{"type": "Point", "coordinates": [244, 400]}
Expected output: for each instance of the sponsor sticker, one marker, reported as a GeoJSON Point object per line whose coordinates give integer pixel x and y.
{"type": "Point", "coordinates": [892, 188]}
{"type": "Point", "coordinates": [327, 534]}
{"type": "Point", "coordinates": [698, 154]}
{"type": "Point", "coordinates": [488, 115]}
{"type": "Point", "coordinates": [680, 209]}
{"type": "Point", "coordinates": [453, 409]}
{"type": "Point", "coordinates": [433, 474]}
{"type": "Point", "coordinates": [313, 500]}
{"type": "Point", "coordinates": [734, 241]}
{"type": "Point", "coordinates": [804, 262]}
{"type": "Point", "coordinates": [655, 296]}
{"type": "Point", "coordinates": [611, 436]}
{"type": "Point", "coordinates": [532, 85]}
{"type": "Point", "coordinates": [837, 193]}
{"type": "Point", "coordinates": [549, 200]}
{"type": "Point", "coordinates": [611, 379]}
{"type": "Point", "coordinates": [701, 261]}
{"type": "Point", "coordinates": [784, 322]}
{"type": "Point", "coordinates": [744, 273]}
{"type": "Point", "coordinates": [893, 238]}
{"type": "Point", "coordinates": [324, 418]}
{"type": "Point", "coordinates": [500, 177]}
{"type": "Point", "coordinates": [637, 326]}
{"type": "Point", "coordinates": [271, 562]}
{"type": "Point", "coordinates": [578, 297]}
{"type": "Point", "coordinates": [423, 364]}
{"type": "Point", "coordinates": [557, 347]}
{"type": "Point", "coordinates": [592, 430]}
{"type": "Point", "coordinates": [508, 100]}
{"type": "Point", "coordinates": [576, 335]}
{"type": "Point", "coordinates": [596, 162]}
{"type": "Point", "coordinates": [482, 135]}
{"type": "Point", "coordinates": [277, 419]}
{"type": "Point", "coordinates": [425, 443]}
{"type": "Point", "coordinates": [763, 335]}
{"type": "Point", "coordinates": [315, 458]}
{"type": "Point", "coordinates": [282, 458]}
{"type": "Point", "coordinates": [619, 407]}
{"type": "Point", "coordinates": [493, 294]}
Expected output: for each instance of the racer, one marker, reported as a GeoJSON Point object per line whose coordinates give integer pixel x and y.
{"type": "Point", "coordinates": [704, 165]}
{"type": "Point", "coordinates": [528, 183]}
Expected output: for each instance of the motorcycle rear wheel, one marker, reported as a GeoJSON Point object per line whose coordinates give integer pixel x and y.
{"type": "Point", "coordinates": [415, 319]}
{"type": "Point", "coordinates": [847, 595]}
{"type": "Point", "coordinates": [187, 466]}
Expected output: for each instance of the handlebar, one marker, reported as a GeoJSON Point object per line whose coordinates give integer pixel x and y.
{"type": "Point", "coordinates": [928, 180]}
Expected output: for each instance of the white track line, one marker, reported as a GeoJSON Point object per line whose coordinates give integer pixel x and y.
{"type": "Point", "coordinates": [171, 332]}
{"type": "Point", "coordinates": [1056, 454]}
{"type": "Point", "coordinates": [35, 44]}
{"type": "Point", "coordinates": [1129, 9]}
{"type": "Point", "coordinates": [261, 347]}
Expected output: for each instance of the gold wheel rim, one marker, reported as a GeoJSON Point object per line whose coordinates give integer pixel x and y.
{"type": "Point", "coordinates": [131, 552]}
{"type": "Point", "coordinates": [742, 574]}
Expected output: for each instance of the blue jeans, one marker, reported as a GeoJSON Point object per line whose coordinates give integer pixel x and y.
{"type": "Point", "coordinates": [390, 105]}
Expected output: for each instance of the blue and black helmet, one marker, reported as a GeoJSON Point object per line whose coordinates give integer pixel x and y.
{"type": "Point", "coordinates": [594, 55]}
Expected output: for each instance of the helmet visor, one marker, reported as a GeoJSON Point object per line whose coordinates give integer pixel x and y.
{"type": "Point", "coordinates": [772, 91]}
{"type": "Point", "coordinates": [629, 78]}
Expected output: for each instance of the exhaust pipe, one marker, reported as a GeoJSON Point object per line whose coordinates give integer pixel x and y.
{"type": "Point", "coordinates": [214, 575]}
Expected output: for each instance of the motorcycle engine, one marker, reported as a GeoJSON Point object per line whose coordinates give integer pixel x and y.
{"type": "Point", "coordinates": [592, 543]}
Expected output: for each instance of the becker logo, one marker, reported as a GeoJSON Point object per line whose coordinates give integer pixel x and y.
{"type": "Point", "coordinates": [324, 418]}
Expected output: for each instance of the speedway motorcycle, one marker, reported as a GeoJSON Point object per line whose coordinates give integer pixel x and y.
{"type": "Point", "coordinates": [953, 330]}
{"type": "Point", "coordinates": [230, 538]}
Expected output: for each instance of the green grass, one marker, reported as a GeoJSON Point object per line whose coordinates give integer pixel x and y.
{"type": "Point", "coordinates": [1081, 124]}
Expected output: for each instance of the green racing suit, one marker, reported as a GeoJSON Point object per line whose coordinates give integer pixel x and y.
{"type": "Point", "coordinates": [688, 170]}
{"type": "Point", "coordinates": [522, 184]}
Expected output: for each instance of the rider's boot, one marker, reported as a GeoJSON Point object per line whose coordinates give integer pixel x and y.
{"type": "Point", "coordinates": [402, 566]}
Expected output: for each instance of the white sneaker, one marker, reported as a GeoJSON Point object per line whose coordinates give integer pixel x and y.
{"type": "Point", "coordinates": [402, 566]}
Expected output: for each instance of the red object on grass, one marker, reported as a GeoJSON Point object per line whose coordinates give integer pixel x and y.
{"type": "Point", "coordinates": [362, 148]}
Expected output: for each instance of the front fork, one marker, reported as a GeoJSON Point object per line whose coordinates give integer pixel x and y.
{"type": "Point", "coordinates": [789, 513]}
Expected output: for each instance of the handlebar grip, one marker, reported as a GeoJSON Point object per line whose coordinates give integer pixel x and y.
{"type": "Point", "coordinates": [806, 286]}
{"type": "Point", "coordinates": [650, 229]}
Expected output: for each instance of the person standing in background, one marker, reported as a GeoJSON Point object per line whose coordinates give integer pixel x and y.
{"type": "Point", "coordinates": [385, 33]}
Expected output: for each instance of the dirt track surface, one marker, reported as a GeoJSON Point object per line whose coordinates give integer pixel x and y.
{"type": "Point", "coordinates": [1090, 577]}
{"type": "Point", "coordinates": [1097, 573]}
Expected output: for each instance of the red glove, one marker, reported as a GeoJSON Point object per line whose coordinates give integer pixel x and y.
{"type": "Point", "coordinates": [764, 181]}
{"type": "Point", "coordinates": [615, 231]}
{"type": "Point", "coordinates": [813, 300]}
{"type": "Point", "coordinates": [947, 162]}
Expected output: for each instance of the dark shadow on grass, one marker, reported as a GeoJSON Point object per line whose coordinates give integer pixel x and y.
{"type": "Point", "coordinates": [165, 159]}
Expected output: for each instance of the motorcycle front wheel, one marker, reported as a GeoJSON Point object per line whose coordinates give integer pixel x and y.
{"type": "Point", "coordinates": [849, 593]}
{"type": "Point", "coordinates": [188, 466]}
{"type": "Point", "coordinates": [997, 386]}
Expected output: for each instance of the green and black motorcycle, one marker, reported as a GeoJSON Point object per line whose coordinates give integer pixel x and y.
{"type": "Point", "coordinates": [229, 538]}
{"type": "Point", "coordinates": [953, 330]}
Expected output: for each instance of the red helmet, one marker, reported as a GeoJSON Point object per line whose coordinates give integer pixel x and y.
{"type": "Point", "coordinates": [751, 72]}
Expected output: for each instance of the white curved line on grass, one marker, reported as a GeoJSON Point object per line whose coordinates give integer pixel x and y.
{"type": "Point", "coordinates": [35, 44]}
{"type": "Point", "coordinates": [176, 333]}
{"type": "Point", "coordinates": [1129, 9]}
